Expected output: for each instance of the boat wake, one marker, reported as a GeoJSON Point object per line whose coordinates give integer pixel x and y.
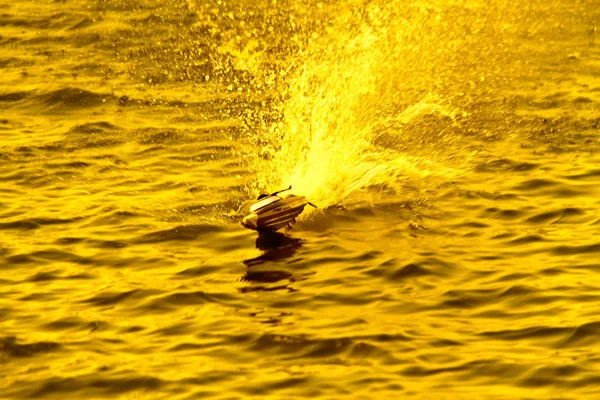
{"type": "Point", "coordinates": [356, 122]}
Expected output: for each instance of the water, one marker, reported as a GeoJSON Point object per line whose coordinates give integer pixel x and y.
{"type": "Point", "coordinates": [452, 148]}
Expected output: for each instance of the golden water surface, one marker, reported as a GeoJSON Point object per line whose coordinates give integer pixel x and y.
{"type": "Point", "coordinates": [452, 148]}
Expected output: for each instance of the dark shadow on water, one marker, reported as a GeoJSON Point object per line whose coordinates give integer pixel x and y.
{"type": "Point", "coordinates": [275, 247]}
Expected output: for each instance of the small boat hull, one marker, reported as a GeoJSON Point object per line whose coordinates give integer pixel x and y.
{"type": "Point", "coordinates": [274, 213]}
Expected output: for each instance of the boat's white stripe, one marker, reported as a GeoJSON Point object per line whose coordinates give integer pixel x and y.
{"type": "Point", "coordinates": [288, 213]}
{"type": "Point", "coordinates": [282, 219]}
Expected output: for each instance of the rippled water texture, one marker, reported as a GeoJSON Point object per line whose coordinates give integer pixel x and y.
{"type": "Point", "coordinates": [452, 148]}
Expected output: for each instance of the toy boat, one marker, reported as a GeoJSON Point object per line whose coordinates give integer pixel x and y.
{"type": "Point", "coordinates": [272, 212]}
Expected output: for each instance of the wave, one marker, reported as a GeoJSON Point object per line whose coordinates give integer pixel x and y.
{"type": "Point", "coordinates": [71, 98]}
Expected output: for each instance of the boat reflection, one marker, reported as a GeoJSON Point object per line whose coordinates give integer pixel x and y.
{"type": "Point", "coordinates": [275, 247]}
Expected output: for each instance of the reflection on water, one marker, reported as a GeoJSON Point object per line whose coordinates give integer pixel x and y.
{"type": "Point", "coordinates": [275, 248]}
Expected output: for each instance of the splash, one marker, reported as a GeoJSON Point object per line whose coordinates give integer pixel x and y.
{"type": "Point", "coordinates": [348, 100]}
{"type": "Point", "coordinates": [345, 117]}
{"type": "Point", "coordinates": [324, 138]}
